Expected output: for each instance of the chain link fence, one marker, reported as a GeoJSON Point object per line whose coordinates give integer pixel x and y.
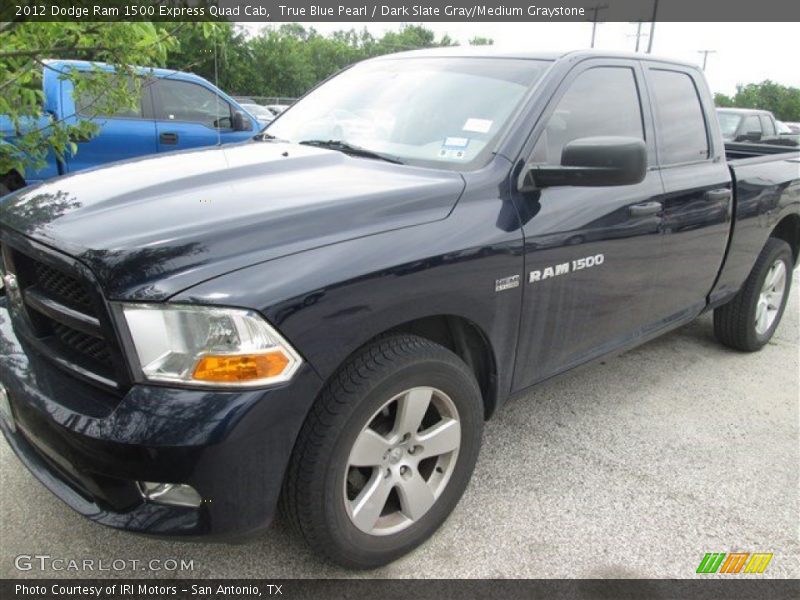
{"type": "Point", "coordinates": [264, 100]}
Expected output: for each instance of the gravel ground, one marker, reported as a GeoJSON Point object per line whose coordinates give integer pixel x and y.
{"type": "Point", "coordinates": [634, 467]}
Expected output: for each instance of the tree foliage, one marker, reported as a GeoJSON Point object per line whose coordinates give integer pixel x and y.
{"type": "Point", "coordinates": [782, 101]}
{"type": "Point", "coordinates": [287, 60]}
{"type": "Point", "coordinates": [278, 61]}
{"type": "Point", "coordinates": [479, 40]}
{"type": "Point", "coordinates": [24, 50]}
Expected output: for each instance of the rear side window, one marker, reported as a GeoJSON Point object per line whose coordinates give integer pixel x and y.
{"type": "Point", "coordinates": [603, 101]}
{"type": "Point", "coordinates": [682, 133]}
{"type": "Point", "coordinates": [98, 104]}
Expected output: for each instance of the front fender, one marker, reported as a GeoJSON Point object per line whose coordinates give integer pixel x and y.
{"type": "Point", "coordinates": [330, 301]}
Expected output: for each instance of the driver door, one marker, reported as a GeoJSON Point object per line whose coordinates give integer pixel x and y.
{"type": "Point", "coordinates": [189, 115]}
{"type": "Point", "coordinates": [592, 254]}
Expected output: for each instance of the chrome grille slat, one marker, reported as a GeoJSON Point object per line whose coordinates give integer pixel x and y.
{"type": "Point", "coordinates": [63, 313]}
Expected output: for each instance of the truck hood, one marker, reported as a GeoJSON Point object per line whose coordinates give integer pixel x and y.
{"type": "Point", "coordinates": [151, 227]}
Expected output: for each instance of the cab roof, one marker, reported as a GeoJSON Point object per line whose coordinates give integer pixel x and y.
{"type": "Point", "coordinates": [500, 52]}
{"type": "Point", "coordinates": [85, 65]}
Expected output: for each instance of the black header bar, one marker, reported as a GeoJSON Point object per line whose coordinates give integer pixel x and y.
{"type": "Point", "coordinates": [279, 11]}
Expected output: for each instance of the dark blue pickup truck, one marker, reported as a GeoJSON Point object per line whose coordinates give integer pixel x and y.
{"type": "Point", "coordinates": [324, 318]}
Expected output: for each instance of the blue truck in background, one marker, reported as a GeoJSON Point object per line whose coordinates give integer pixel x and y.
{"type": "Point", "coordinates": [176, 111]}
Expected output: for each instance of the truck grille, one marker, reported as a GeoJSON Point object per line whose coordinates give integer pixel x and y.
{"type": "Point", "coordinates": [66, 319]}
{"type": "Point", "coordinates": [63, 287]}
{"type": "Point", "coordinates": [87, 345]}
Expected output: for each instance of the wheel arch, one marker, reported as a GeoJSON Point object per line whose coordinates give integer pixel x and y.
{"type": "Point", "coordinates": [788, 230]}
{"type": "Point", "coordinates": [465, 339]}
{"type": "Point", "coordinates": [460, 335]}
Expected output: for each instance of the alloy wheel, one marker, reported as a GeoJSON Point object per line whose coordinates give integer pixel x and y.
{"type": "Point", "coordinates": [402, 460]}
{"type": "Point", "coordinates": [770, 299]}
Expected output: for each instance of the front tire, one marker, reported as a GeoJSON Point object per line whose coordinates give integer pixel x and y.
{"type": "Point", "coordinates": [385, 453]}
{"type": "Point", "coordinates": [750, 319]}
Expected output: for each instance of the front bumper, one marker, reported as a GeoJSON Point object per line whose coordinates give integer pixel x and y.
{"type": "Point", "coordinates": [232, 447]}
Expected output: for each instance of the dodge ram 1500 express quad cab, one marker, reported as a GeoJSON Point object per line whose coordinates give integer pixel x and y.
{"type": "Point", "coordinates": [324, 319]}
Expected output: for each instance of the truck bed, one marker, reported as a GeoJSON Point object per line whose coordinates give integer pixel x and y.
{"type": "Point", "coordinates": [736, 151]}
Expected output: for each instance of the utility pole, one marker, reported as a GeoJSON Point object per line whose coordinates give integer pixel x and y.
{"type": "Point", "coordinates": [638, 35]}
{"type": "Point", "coordinates": [595, 10]}
{"type": "Point", "coordinates": [705, 54]}
{"type": "Point", "coordinates": [652, 27]}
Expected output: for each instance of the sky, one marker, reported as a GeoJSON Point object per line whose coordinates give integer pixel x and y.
{"type": "Point", "coordinates": [743, 52]}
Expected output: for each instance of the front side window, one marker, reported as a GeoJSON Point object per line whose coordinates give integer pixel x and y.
{"type": "Point", "coordinates": [444, 112]}
{"type": "Point", "coordinates": [602, 101]}
{"type": "Point", "coordinates": [681, 126]}
{"type": "Point", "coordinates": [189, 102]}
{"type": "Point", "coordinates": [728, 124]}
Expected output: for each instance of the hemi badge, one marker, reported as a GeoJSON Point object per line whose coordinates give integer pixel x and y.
{"type": "Point", "coordinates": [506, 283]}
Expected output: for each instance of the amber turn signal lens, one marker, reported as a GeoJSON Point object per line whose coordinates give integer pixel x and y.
{"type": "Point", "coordinates": [240, 368]}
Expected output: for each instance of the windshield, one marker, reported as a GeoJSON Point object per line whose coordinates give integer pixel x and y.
{"type": "Point", "coordinates": [728, 123]}
{"type": "Point", "coordinates": [430, 111]}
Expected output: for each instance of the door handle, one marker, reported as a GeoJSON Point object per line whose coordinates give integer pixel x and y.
{"type": "Point", "coordinates": [168, 138]}
{"type": "Point", "coordinates": [645, 208]}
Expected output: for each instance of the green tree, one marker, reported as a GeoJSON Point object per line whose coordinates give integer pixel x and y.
{"type": "Point", "coordinates": [24, 50]}
{"type": "Point", "coordinates": [722, 100]}
{"type": "Point", "coordinates": [290, 59]}
{"type": "Point", "coordinates": [218, 52]}
{"type": "Point", "coordinates": [782, 101]}
{"type": "Point", "coordinates": [479, 40]}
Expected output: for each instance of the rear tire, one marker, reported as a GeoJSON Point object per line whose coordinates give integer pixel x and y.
{"type": "Point", "coordinates": [361, 504]}
{"type": "Point", "coordinates": [750, 319]}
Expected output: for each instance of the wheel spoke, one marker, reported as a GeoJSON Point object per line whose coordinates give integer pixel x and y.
{"type": "Point", "coordinates": [367, 507]}
{"type": "Point", "coordinates": [779, 281]}
{"type": "Point", "coordinates": [411, 408]}
{"type": "Point", "coordinates": [416, 497]}
{"type": "Point", "coordinates": [440, 439]}
{"type": "Point", "coordinates": [369, 448]}
{"type": "Point", "coordinates": [762, 319]}
{"type": "Point", "coordinates": [775, 277]}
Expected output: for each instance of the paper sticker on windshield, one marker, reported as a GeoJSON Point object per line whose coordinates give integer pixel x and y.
{"type": "Point", "coordinates": [454, 148]}
{"type": "Point", "coordinates": [478, 125]}
{"type": "Point", "coordinates": [456, 142]}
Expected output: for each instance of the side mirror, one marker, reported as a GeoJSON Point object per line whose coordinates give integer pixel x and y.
{"type": "Point", "coordinates": [589, 162]}
{"type": "Point", "coordinates": [241, 123]}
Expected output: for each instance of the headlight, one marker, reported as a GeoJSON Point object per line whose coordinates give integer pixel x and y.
{"type": "Point", "coordinates": [208, 346]}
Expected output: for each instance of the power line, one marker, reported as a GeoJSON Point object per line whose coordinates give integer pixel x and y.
{"type": "Point", "coordinates": [595, 10]}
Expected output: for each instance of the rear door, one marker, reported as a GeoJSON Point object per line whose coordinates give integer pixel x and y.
{"type": "Point", "coordinates": [698, 199]}
{"type": "Point", "coordinates": [189, 115]}
{"type": "Point", "coordinates": [127, 133]}
{"type": "Point", "coordinates": [591, 253]}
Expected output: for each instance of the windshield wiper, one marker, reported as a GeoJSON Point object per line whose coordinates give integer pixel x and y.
{"type": "Point", "coordinates": [348, 148]}
{"type": "Point", "coordinates": [268, 137]}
